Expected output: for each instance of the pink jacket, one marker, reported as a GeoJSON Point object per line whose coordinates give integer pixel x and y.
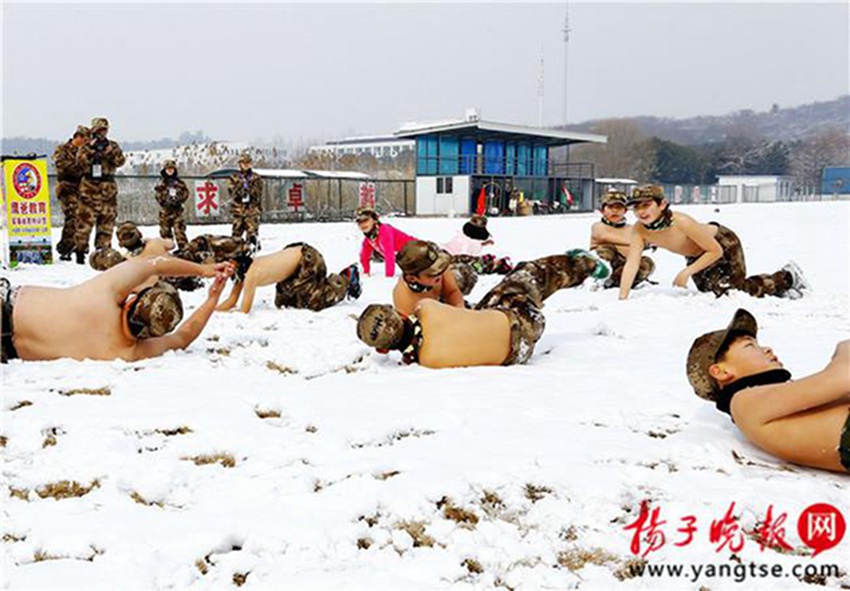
{"type": "Point", "coordinates": [463, 244]}
{"type": "Point", "coordinates": [389, 241]}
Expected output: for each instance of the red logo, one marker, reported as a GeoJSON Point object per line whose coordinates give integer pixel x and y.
{"type": "Point", "coordinates": [26, 180]}
{"type": "Point", "coordinates": [821, 527]}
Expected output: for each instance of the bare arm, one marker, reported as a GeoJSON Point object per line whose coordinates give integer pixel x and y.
{"type": "Point", "coordinates": [188, 331]}
{"type": "Point", "coordinates": [123, 278]}
{"type": "Point", "coordinates": [632, 265]}
{"type": "Point", "coordinates": [451, 292]}
{"type": "Point", "coordinates": [702, 237]}
{"type": "Point", "coordinates": [763, 405]}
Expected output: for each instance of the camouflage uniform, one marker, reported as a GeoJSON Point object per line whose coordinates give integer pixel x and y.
{"type": "Point", "coordinates": [464, 274]}
{"type": "Point", "coordinates": [171, 194]}
{"type": "Point", "coordinates": [521, 293]}
{"type": "Point", "coordinates": [208, 248]}
{"type": "Point", "coordinates": [609, 253]}
{"type": "Point", "coordinates": [98, 160]}
{"type": "Point", "coordinates": [246, 202]}
{"type": "Point", "coordinates": [730, 272]}
{"type": "Point", "coordinates": [310, 286]}
{"type": "Point", "coordinates": [68, 175]}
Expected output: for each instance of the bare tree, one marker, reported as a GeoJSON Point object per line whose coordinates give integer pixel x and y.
{"type": "Point", "coordinates": [628, 153]}
{"type": "Point", "coordinates": [810, 156]}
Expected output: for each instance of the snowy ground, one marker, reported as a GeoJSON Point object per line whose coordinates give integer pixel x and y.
{"type": "Point", "coordinates": [341, 469]}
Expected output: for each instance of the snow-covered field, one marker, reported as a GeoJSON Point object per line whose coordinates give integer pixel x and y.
{"type": "Point", "coordinates": [338, 468]}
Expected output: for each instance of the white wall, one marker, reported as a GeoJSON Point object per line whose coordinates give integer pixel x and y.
{"type": "Point", "coordinates": [429, 202]}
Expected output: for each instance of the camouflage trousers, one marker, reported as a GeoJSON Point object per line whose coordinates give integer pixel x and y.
{"type": "Point", "coordinates": [730, 272]}
{"type": "Point", "coordinates": [246, 220]}
{"type": "Point", "coordinates": [208, 248]}
{"type": "Point", "coordinates": [467, 267]}
{"type": "Point", "coordinates": [465, 276]}
{"type": "Point", "coordinates": [68, 195]}
{"type": "Point", "coordinates": [310, 287]}
{"type": "Point", "coordinates": [172, 219]}
{"type": "Point", "coordinates": [609, 253]}
{"type": "Point", "coordinates": [522, 292]}
{"type": "Point", "coordinates": [98, 207]}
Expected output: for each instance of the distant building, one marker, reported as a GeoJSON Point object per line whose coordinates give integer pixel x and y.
{"type": "Point", "coordinates": [835, 180]}
{"type": "Point", "coordinates": [377, 146]}
{"type": "Point", "coordinates": [758, 188]}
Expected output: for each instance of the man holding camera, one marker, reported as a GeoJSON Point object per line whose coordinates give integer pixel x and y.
{"type": "Point", "coordinates": [98, 159]}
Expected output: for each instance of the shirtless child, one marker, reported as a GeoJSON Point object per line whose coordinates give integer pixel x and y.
{"type": "Point", "coordinates": [301, 277]}
{"type": "Point", "coordinates": [426, 274]}
{"type": "Point", "coordinates": [806, 422]}
{"type": "Point", "coordinates": [103, 318]}
{"type": "Point", "coordinates": [610, 238]}
{"type": "Point", "coordinates": [714, 255]}
{"type": "Point", "coordinates": [502, 330]}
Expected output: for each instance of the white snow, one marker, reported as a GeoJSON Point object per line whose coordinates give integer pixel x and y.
{"type": "Point", "coordinates": [364, 448]}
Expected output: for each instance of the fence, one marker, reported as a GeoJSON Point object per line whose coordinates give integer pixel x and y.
{"type": "Point", "coordinates": [323, 199]}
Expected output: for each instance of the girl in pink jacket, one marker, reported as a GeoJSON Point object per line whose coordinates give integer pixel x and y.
{"type": "Point", "coordinates": [380, 239]}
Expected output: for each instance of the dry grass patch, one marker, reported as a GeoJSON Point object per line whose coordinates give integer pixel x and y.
{"type": "Point", "coordinates": [142, 501]}
{"type": "Point", "coordinates": [41, 556]}
{"type": "Point", "coordinates": [20, 404]}
{"type": "Point", "coordinates": [577, 558]}
{"type": "Point", "coordinates": [19, 493]}
{"type": "Point", "coordinates": [66, 489]}
{"type": "Point", "coordinates": [104, 391]}
{"type": "Point", "coordinates": [371, 520]}
{"type": "Point", "coordinates": [457, 514]}
{"type": "Point", "coordinates": [240, 578]}
{"type": "Point", "coordinates": [364, 543]}
{"type": "Point", "coordinates": [225, 459]}
{"type": "Point", "coordinates": [473, 566]}
{"type": "Point", "coordinates": [203, 565]}
{"type": "Point", "coordinates": [183, 430]}
{"type": "Point", "coordinates": [387, 475]}
{"type": "Point", "coordinates": [3, 440]}
{"type": "Point", "coordinates": [281, 369]}
{"type": "Point", "coordinates": [416, 530]}
{"type": "Point", "coordinates": [267, 413]}
{"type": "Point", "coordinates": [631, 568]}
{"type": "Point", "coordinates": [12, 538]}
{"type": "Point", "coordinates": [534, 493]}
{"type": "Point", "coordinates": [311, 428]}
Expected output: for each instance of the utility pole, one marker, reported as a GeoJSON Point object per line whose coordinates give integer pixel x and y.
{"type": "Point", "coordinates": [566, 32]}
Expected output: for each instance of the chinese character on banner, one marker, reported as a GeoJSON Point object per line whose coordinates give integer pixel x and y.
{"type": "Point", "coordinates": [27, 199]}
{"type": "Point", "coordinates": [295, 196]}
{"type": "Point", "coordinates": [655, 538]}
{"type": "Point", "coordinates": [367, 194]}
{"type": "Point", "coordinates": [206, 199]}
{"type": "Point", "coordinates": [821, 527]}
{"type": "Point", "coordinates": [727, 532]}
{"type": "Point", "coordinates": [771, 532]}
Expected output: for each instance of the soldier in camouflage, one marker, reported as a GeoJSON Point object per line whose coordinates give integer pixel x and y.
{"type": "Point", "coordinates": [246, 202]}
{"type": "Point", "coordinates": [98, 159]}
{"type": "Point", "coordinates": [68, 175]}
{"type": "Point", "coordinates": [171, 194]}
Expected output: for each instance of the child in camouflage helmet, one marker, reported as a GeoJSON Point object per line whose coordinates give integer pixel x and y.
{"type": "Point", "coordinates": [171, 195]}
{"type": "Point", "coordinates": [610, 238]}
{"type": "Point", "coordinates": [714, 255]}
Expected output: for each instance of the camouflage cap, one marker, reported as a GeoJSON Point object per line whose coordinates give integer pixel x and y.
{"type": "Point", "coordinates": [245, 157]}
{"type": "Point", "coordinates": [129, 236]}
{"type": "Point", "coordinates": [364, 213]}
{"type": "Point", "coordinates": [99, 123]}
{"type": "Point", "coordinates": [169, 164]}
{"type": "Point", "coordinates": [646, 193]}
{"type": "Point", "coordinates": [105, 258]}
{"type": "Point", "coordinates": [83, 131]}
{"type": "Point", "coordinates": [380, 326]}
{"type": "Point", "coordinates": [422, 256]}
{"type": "Point", "coordinates": [613, 197]}
{"type": "Point", "coordinates": [476, 228]}
{"type": "Point", "coordinates": [478, 220]}
{"type": "Point", "coordinates": [156, 311]}
{"type": "Point", "coordinates": [703, 353]}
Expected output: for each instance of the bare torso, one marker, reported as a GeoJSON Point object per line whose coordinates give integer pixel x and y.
{"type": "Point", "coordinates": [809, 438]}
{"type": "Point", "coordinates": [456, 337]}
{"type": "Point", "coordinates": [405, 299]}
{"type": "Point", "coordinates": [673, 239]}
{"type": "Point", "coordinates": [82, 322]}
{"type": "Point", "coordinates": [601, 234]}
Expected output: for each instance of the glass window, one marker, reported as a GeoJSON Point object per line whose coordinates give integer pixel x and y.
{"type": "Point", "coordinates": [494, 158]}
{"type": "Point", "coordinates": [448, 158]}
{"type": "Point", "coordinates": [467, 156]}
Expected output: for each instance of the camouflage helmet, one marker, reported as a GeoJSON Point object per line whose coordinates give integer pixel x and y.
{"type": "Point", "coordinates": [614, 197]}
{"type": "Point", "coordinates": [99, 123]}
{"type": "Point", "coordinates": [380, 326]}
{"type": "Point", "coordinates": [703, 353]}
{"type": "Point", "coordinates": [129, 236]}
{"type": "Point", "coordinates": [245, 157]}
{"type": "Point", "coordinates": [646, 193]}
{"type": "Point", "coordinates": [169, 164]}
{"type": "Point", "coordinates": [156, 311]}
{"type": "Point", "coordinates": [83, 131]}
{"type": "Point", "coordinates": [476, 228]}
{"type": "Point", "coordinates": [105, 258]}
{"type": "Point", "coordinates": [364, 213]}
{"type": "Point", "coordinates": [422, 256]}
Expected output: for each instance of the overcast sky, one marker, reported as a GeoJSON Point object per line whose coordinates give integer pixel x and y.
{"type": "Point", "coordinates": [249, 71]}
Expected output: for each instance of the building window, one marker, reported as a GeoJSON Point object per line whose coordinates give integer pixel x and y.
{"type": "Point", "coordinates": [445, 185]}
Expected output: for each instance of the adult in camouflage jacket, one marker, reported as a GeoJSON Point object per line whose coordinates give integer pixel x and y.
{"type": "Point", "coordinates": [246, 197]}
{"type": "Point", "coordinates": [68, 175]}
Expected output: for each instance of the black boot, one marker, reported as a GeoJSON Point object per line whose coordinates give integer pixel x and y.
{"type": "Point", "coordinates": [81, 258]}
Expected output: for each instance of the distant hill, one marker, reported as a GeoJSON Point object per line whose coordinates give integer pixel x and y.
{"type": "Point", "coordinates": [789, 124]}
